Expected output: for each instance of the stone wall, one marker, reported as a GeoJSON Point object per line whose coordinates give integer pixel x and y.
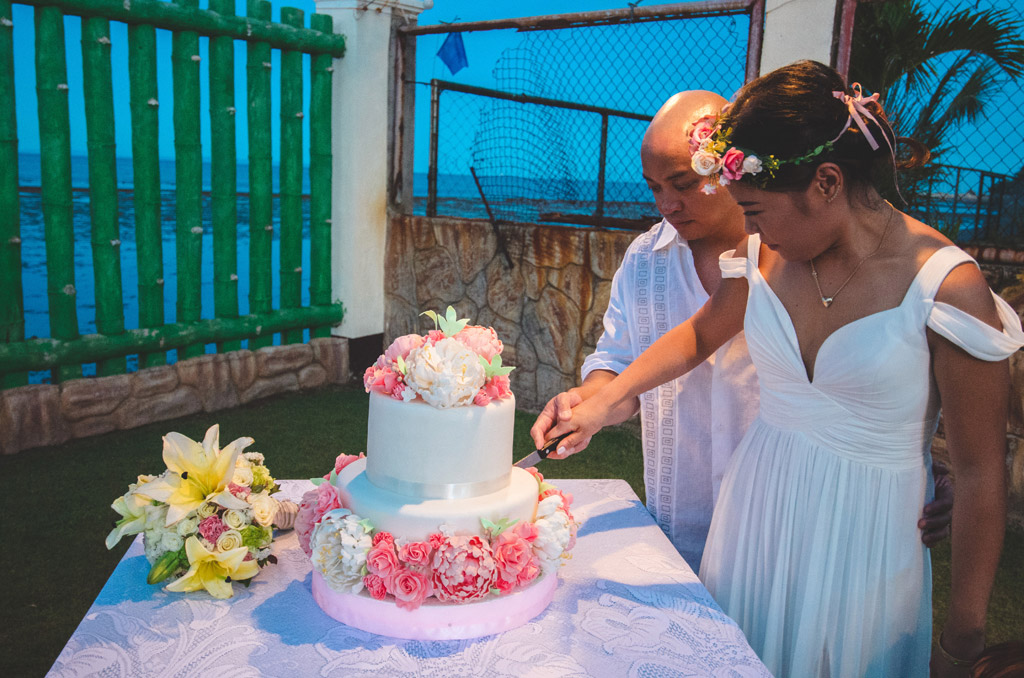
{"type": "Point", "coordinates": [49, 414]}
{"type": "Point", "coordinates": [546, 306]}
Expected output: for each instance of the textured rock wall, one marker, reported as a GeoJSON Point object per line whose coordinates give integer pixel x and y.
{"type": "Point", "coordinates": [546, 306]}
{"type": "Point", "coordinates": [49, 414]}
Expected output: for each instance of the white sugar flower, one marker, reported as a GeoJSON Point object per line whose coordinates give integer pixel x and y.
{"type": "Point", "coordinates": [554, 533]}
{"type": "Point", "coordinates": [445, 374]}
{"type": "Point", "coordinates": [704, 163]}
{"type": "Point", "coordinates": [339, 543]}
{"type": "Point", "coordinates": [751, 164]}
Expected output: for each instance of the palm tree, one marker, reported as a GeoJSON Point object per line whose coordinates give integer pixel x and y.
{"type": "Point", "coordinates": [934, 70]}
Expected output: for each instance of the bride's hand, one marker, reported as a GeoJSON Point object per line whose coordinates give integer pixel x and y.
{"type": "Point", "coordinates": [588, 417]}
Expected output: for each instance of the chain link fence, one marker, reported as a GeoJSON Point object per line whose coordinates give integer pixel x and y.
{"type": "Point", "coordinates": [538, 162]}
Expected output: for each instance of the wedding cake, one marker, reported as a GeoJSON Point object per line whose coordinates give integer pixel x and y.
{"type": "Point", "coordinates": [433, 534]}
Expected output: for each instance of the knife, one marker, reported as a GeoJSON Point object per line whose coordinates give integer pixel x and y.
{"type": "Point", "coordinates": [540, 455]}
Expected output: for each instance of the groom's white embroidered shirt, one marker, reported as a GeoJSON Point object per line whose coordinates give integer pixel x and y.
{"type": "Point", "coordinates": [690, 425]}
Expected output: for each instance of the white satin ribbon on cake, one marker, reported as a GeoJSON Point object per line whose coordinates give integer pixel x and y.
{"type": "Point", "coordinates": [418, 490]}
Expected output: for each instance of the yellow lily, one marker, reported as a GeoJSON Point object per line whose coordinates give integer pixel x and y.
{"type": "Point", "coordinates": [198, 473]}
{"type": "Point", "coordinates": [210, 570]}
{"type": "Point", "coordinates": [132, 508]}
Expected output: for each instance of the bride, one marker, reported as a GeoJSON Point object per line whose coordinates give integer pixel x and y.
{"type": "Point", "coordinates": [862, 322]}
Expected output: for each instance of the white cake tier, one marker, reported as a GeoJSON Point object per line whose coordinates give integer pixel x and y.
{"type": "Point", "coordinates": [414, 519]}
{"type": "Point", "coordinates": [420, 451]}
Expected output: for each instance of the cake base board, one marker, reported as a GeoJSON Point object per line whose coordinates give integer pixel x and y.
{"type": "Point", "coordinates": [434, 620]}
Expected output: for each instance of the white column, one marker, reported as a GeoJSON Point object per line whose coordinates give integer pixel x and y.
{"type": "Point", "coordinates": [359, 146]}
{"type": "Point", "coordinates": [797, 29]}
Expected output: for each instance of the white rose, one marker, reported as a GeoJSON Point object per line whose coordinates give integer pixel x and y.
{"type": "Point", "coordinates": [187, 526]}
{"type": "Point", "coordinates": [152, 542]}
{"type": "Point", "coordinates": [242, 476]}
{"type": "Point", "coordinates": [229, 539]}
{"type": "Point", "coordinates": [264, 508]}
{"type": "Point", "coordinates": [206, 510]}
{"type": "Point", "coordinates": [704, 163]}
{"type": "Point", "coordinates": [235, 519]}
{"type": "Point", "coordinates": [751, 164]}
{"type": "Point", "coordinates": [445, 374]}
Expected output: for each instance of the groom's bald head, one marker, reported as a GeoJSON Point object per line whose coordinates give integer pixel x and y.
{"type": "Point", "coordinates": [670, 129]}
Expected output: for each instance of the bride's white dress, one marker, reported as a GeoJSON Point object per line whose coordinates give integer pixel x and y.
{"type": "Point", "coordinates": [814, 548]}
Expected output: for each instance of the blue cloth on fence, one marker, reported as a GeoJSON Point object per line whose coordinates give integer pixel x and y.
{"type": "Point", "coordinates": [453, 53]}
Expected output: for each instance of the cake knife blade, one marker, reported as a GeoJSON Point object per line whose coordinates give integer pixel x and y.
{"type": "Point", "coordinates": [539, 455]}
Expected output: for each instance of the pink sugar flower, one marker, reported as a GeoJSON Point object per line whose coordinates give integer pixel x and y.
{"type": "Point", "coordinates": [481, 340]}
{"type": "Point", "coordinates": [536, 474]}
{"type": "Point", "coordinates": [464, 569]}
{"type": "Point", "coordinates": [375, 585]}
{"type": "Point", "coordinates": [211, 528]}
{"type": "Point", "coordinates": [515, 562]}
{"type": "Point", "coordinates": [498, 387]}
{"type": "Point", "coordinates": [434, 336]}
{"type": "Point", "coordinates": [481, 398]}
{"type": "Point", "coordinates": [416, 554]}
{"type": "Point", "coordinates": [383, 537]}
{"type": "Point", "coordinates": [381, 379]}
{"type": "Point", "coordinates": [524, 530]}
{"type": "Point", "coordinates": [327, 500]}
{"type": "Point", "coordinates": [732, 164]}
{"type": "Point", "coordinates": [435, 540]}
{"type": "Point", "coordinates": [342, 461]}
{"type": "Point", "coordinates": [382, 561]}
{"type": "Point", "coordinates": [305, 520]}
{"type": "Point", "coordinates": [410, 588]}
{"type": "Point", "coordinates": [402, 346]}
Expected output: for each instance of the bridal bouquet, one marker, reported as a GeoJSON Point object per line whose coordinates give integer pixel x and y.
{"type": "Point", "coordinates": [207, 520]}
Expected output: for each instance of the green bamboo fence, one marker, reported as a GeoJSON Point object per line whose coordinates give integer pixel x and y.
{"type": "Point", "coordinates": [188, 177]}
{"type": "Point", "coordinates": [55, 167]}
{"type": "Point", "coordinates": [149, 255]}
{"type": "Point", "coordinates": [223, 174]}
{"type": "Point", "coordinates": [66, 350]}
{"type": "Point", "coordinates": [103, 211]}
{"type": "Point", "coordinates": [261, 224]}
{"type": "Point", "coordinates": [290, 270]}
{"type": "Point", "coordinates": [12, 313]}
{"type": "Point", "coordinates": [321, 67]}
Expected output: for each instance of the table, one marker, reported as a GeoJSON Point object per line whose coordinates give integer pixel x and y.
{"type": "Point", "coordinates": [627, 605]}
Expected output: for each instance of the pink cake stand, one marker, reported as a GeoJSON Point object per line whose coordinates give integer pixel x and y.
{"type": "Point", "coordinates": [434, 620]}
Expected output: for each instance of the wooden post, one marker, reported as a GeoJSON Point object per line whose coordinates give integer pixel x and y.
{"type": "Point", "coordinates": [223, 174]}
{"type": "Point", "coordinates": [261, 225]}
{"type": "Point", "coordinates": [149, 256]}
{"type": "Point", "coordinates": [12, 302]}
{"type": "Point", "coordinates": [290, 173]}
{"type": "Point", "coordinates": [188, 176]}
{"type": "Point", "coordinates": [321, 67]}
{"type": "Point", "coordinates": [55, 165]}
{"type": "Point", "coordinates": [103, 210]}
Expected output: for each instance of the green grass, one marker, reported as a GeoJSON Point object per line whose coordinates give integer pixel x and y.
{"type": "Point", "coordinates": [57, 502]}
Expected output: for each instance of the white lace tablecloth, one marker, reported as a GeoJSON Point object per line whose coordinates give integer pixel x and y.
{"type": "Point", "coordinates": [627, 605]}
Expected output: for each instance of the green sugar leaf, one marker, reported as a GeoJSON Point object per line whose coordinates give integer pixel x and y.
{"type": "Point", "coordinates": [432, 316]}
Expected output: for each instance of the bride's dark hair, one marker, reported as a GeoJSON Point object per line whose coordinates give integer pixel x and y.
{"type": "Point", "coordinates": [792, 110]}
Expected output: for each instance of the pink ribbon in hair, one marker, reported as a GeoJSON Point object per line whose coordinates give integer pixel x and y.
{"type": "Point", "coordinates": [858, 112]}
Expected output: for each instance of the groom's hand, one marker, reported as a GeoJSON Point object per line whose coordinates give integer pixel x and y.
{"type": "Point", "coordinates": [558, 410]}
{"type": "Point", "coordinates": [938, 514]}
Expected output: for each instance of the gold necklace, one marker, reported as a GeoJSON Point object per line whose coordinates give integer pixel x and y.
{"type": "Point", "coordinates": [827, 301]}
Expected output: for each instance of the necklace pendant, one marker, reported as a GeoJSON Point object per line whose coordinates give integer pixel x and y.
{"type": "Point", "coordinates": [826, 301]}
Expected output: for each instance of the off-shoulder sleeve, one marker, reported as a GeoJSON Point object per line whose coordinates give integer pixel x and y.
{"type": "Point", "coordinates": [731, 265]}
{"type": "Point", "coordinates": [978, 338]}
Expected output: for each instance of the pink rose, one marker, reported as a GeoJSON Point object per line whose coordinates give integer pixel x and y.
{"type": "Point", "coordinates": [498, 387]}
{"type": "Point", "coordinates": [375, 585]}
{"type": "Point", "coordinates": [305, 520]}
{"type": "Point", "coordinates": [211, 528]}
{"type": "Point", "coordinates": [383, 537]}
{"type": "Point", "coordinates": [410, 588]}
{"type": "Point", "coordinates": [240, 491]}
{"type": "Point", "coordinates": [514, 560]}
{"type": "Point", "coordinates": [402, 346]}
{"type": "Point", "coordinates": [381, 379]}
{"type": "Point", "coordinates": [481, 398]}
{"type": "Point", "coordinates": [382, 561]}
{"type": "Point", "coordinates": [342, 461]}
{"type": "Point", "coordinates": [702, 129]}
{"type": "Point", "coordinates": [464, 569]}
{"type": "Point", "coordinates": [481, 340]}
{"type": "Point", "coordinates": [415, 553]}
{"type": "Point", "coordinates": [732, 164]}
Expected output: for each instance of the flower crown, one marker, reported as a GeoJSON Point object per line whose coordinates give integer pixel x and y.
{"type": "Point", "coordinates": [713, 156]}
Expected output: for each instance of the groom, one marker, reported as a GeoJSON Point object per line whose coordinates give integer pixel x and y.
{"type": "Point", "coordinates": [691, 425]}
